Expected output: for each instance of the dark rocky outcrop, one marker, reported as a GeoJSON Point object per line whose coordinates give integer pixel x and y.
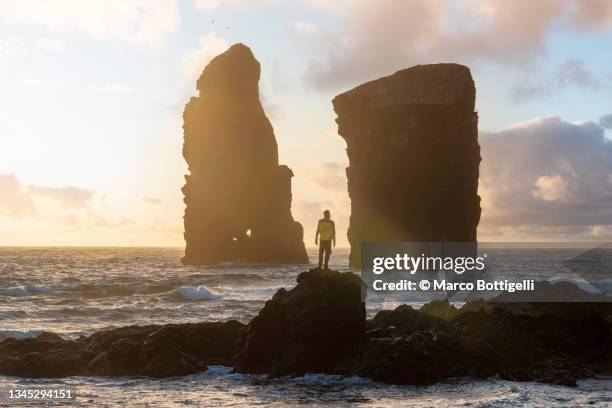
{"type": "Point", "coordinates": [554, 343]}
{"type": "Point", "coordinates": [412, 144]}
{"type": "Point", "coordinates": [307, 329]}
{"type": "Point", "coordinates": [152, 351]}
{"type": "Point", "coordinates": [238, 198]}
{"type": "Point", "coordinates": [439, 308]}
{"type": "Point", "coordinates": [320, 326]}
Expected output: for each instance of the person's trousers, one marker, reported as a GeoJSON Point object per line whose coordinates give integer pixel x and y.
{"type": "Point", "coordinates": [324, 251]}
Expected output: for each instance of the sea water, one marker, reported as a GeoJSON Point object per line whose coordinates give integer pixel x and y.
{"type": "Point", "coordinates": [76, 291]}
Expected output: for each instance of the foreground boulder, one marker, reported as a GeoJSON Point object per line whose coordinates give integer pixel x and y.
{"type": "Point", "coordinates": [307, 329]}
{"type": "Point", "coordinates": [320, 327]}
{"type": "Point", "coordinates": [152, 351]}
{"type": "Point", "coordinates": [45, 356]}
{"type": "Point", "coordinates": [553, 343]}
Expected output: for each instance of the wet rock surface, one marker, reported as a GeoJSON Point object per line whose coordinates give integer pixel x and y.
{"type": "Point", "coordinates": [307, 329]}
{"type": "Point", "coordinates": [237, 196]}
{"type": "Point", "coordinates": [554, 343]}
{"type": "Point", "coordinates": [319, 326]}
{"type": "Point", "coordinates": [412, 145]}
{"type": "Point", "coordinates": [152, 351]}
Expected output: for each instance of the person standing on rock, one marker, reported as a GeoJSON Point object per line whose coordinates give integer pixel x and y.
{"type": "Point", "coordinates": [326, 234]}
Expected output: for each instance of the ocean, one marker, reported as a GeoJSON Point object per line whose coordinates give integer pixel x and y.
{"type": "Point", "coordinates": [76, 291]}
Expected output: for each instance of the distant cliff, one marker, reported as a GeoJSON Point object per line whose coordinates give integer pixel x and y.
{"type": "Point", "coordinates": [412, 144]}
{"type": "Point", "coordinates": [238, 198]}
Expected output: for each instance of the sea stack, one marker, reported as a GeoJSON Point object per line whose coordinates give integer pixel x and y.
{"type": "Point", "coordinates": [237, 196]}
{"type": "Point", "coordinates": [412, 144]}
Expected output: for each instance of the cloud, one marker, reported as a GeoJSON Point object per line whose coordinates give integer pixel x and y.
{"type": "Point", "coordinates": [366, 42]}
{"type": "Point", "coordinates": [593, 14]}
{"type": "Point", "coordinates": [371, 41]}
{"type": "Point", "coordinates": [15, 201]}
{"type": "Point", "coordinates": [68, 205]}
{"type": "Point", "coordinates": [112, 88]}
{"type": "Point", "coordinates": [525, 233]}
{"type": "Point", "coordinates": [13, 56]}
{"type": "Point", "coordinates": [571, 73]}
{"type": "Point", "coordinates": [305, 28]}
{"type": "Point", "coordinates": [51, 44]}
{"type": "Point", "coordinates": [331, 176]}
{"type": "Point", "coordinates": [550, 188]}
{"type": "Point", "coordinates": [139, 22]}
{"type": "Point", "coordinates": [55, 86]}
{"type": "Point", "coordinates": [606, 121]}
{"type": "Point", "coordinates": [523, 91]}
{"type": "Point", "coordinates": [313, 210]}
{"type": "Point", "coordinates": [210, 5]}
{"type": "Point", "coordinates": [67, 197]}
{"type": "Point", "coordinates": [151, 200]}
{"type": "Point", "coordinates": [546, 174]}
{"type": "Point", "coordinates": [210, 46]}
{"type": "Point", "coordinates": [326, 190]}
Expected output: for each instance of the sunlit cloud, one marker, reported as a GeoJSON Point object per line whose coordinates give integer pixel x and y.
{"type": "Point", "coordinates": [151, 200]}
{"type": "Point", "coordinates": [546, 174]}
{"type": "Point", "coordinates": [331, 176]}
{"type": "Point", "coordinates": [139, 22]}
{"type": "Point", "coordinates": [73, 86]}
{"type": "Point", "coordinates": [606, 121]}
{"type": "Point", "coordinates": [15, 201]}
{"type": "Point", "coordinates": [571, 73]}
{"type": "Point", "coordinates": [209, 47]}
{"type": "Point", "coordinates": [67, 197]}
{"type": "Point", "coordinates": [363, 44]}
{"type": "Point", "coordinates": [593, 14]}
{"type": "Point", "coordinates": [550, 188]}
{"type": "Point", "coordinates": [69, 205]}
{"type": "Point", "coordinates": [51, 44]}
{"type": "Point", "coordinates": [13, 55]}
{"type": "Point", "coordinates": [210, 5]}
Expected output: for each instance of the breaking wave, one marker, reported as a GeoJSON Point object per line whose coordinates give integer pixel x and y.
{"type": "Point", "coordinates": [196, 293]}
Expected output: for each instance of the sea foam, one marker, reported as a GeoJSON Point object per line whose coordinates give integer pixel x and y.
{"type": "Point", "coordinates": [196, 293]}
{"type": "Point", "coordinates": [19, 334]}
{"type": "Point", "coordinates": [19, 291]}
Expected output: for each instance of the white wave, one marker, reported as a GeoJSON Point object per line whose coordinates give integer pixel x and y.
{"type": "Point", "coordinates": [330, 379]}
{"type": "Point", "coordinates": [19, 334]}
{"type": "Point", "coordinates": [586, 286]}
{"type": "Point", "coordinates": [197, 293]}
{"type": "Point", "coordinates": [19, 291]}
{"type": "Point", "coordinates": [264, 293]}
{"type": "Point", "coordinates": [589, 287]}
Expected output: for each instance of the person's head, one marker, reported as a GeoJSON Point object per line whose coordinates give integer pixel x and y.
{"type": "Point", "coordinates": [326, 214]}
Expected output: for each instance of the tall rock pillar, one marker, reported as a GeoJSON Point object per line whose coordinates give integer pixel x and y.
{"type": "Point", "coordinates": [237, 196]}
{"type": "Point", "coordinates": [412, 144]}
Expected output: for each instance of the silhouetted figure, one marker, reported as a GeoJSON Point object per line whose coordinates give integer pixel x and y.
{"type": "Point", "coordinates": [326, 234]}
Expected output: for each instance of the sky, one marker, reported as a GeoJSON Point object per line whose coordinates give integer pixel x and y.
{"type": "Point", "coordinates": [92, 94]}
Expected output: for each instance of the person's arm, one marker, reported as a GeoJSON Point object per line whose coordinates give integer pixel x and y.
{"type": "Point", "coordinates": [317, 235]}
{"type": "Point", "coordinates": [334, 232]}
